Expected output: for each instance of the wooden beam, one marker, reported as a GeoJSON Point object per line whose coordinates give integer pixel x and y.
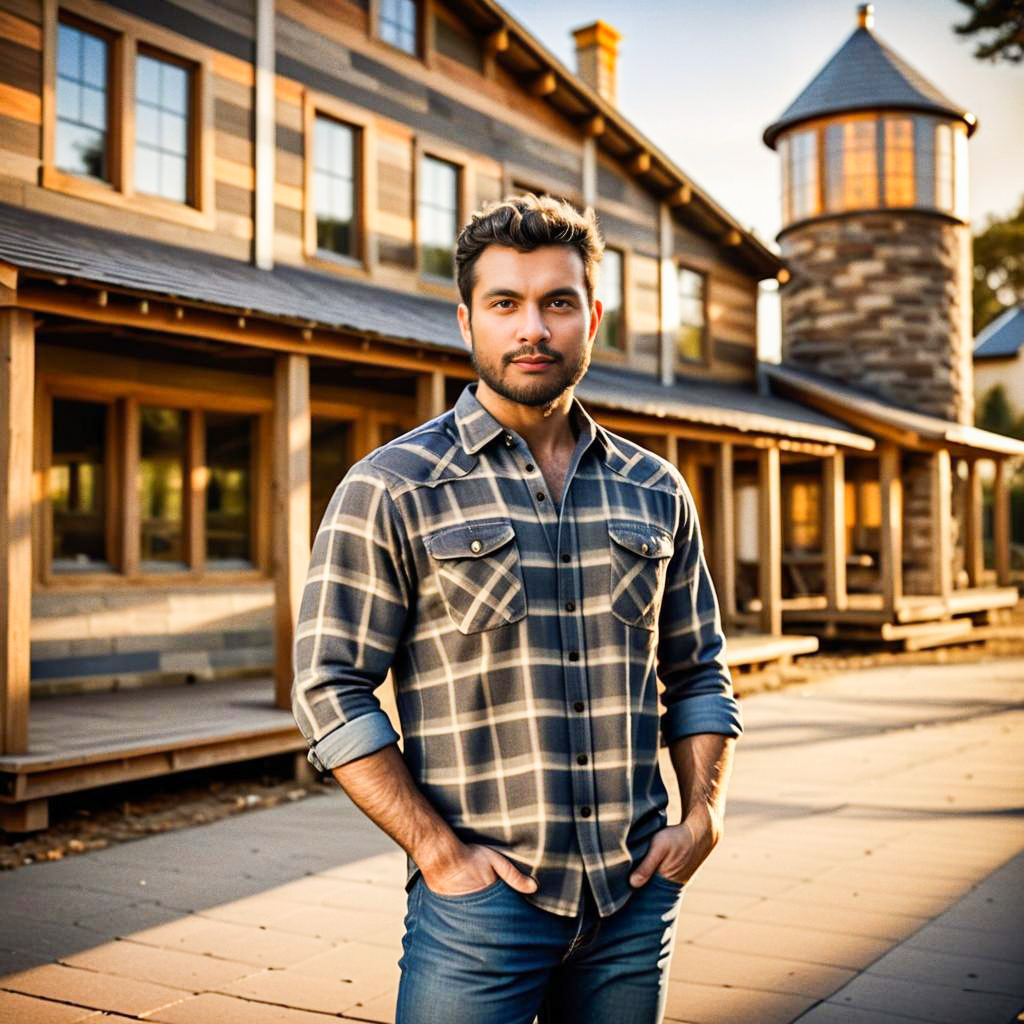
{"type": "Point", "coordinates": [497, 41]}
{"type": "Point", "coordinates": [974, 557]}
{"type": "Point", "coordinates": [195, 493]}
{"type": "Point", "coordinates": [942, 523]}
{"type": "Point", "coordinates": [769, 525]}
{"type": "Point", "coordinates": [264, 149]}
{"type": "Point", "coordinates": [640, 163]}
{"type": "Point", "coordinates": [680, 196]}
{"type": "Point", "coordinates": [1001, 522]}
{"type": "Point", "coordinates": [430, 395]}
{"type": "Point", "coordinates": [724, 539]}
{"type": "Point", "coordinates": [891, 554]}
{"type": "Point", "coordinates": [544, 84]}
{"type": "Point", "coordinates": [291, 492]}
{"type": "Point", "coordinates": [732, 238]}
{"type": "Point", "coordinates": [833, 507]}
{"type": "Point", "coordinates": [17, 393]}
{"type": "Point", "coordinates": [593, 127]}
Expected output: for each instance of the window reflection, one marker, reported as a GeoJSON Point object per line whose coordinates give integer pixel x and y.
{"type": "Point", "coordinates": [81, 136]}
{"type": "Point", "coordinates": [334, 190]}
{"type": "Point", "coordinates": [77, 483]}
{"type": "Point", "coordinates": [229, 490]}
{"type": "Point", "coordinates": [611, 333]}
{"type": "Point", "coordinates": [162, 453]}
{"type": "Point", "coordinates": [438, 216]}
{"type": "Point", "coordinates": [161, 128]}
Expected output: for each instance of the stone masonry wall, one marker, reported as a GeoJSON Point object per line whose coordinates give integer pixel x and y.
{"type": "Point", "coordinates": [882, 301]}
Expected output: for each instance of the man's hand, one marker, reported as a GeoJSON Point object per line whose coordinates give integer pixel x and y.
{"type": "Point", "coordinates": [677, 851]}
{"type": "Point", "coordinates": [471, 868]}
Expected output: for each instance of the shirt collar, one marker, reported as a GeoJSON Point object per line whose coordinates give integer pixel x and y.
{"type": "Point", "coordinates": [477, 427]}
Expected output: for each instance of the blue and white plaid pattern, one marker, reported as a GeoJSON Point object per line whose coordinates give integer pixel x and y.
{"type": "Point", "coordinates": [525, 640]}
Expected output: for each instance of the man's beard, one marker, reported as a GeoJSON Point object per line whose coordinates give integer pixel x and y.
{"type": "Point", "coordinates": [549, 386]}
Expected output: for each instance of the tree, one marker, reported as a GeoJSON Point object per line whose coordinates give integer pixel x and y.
{"type": "Point", "coordinates": [998, 267]}
{"type": "Point", "coordinates": [1002, 25]}
{"type": "Point", "coordinates": [998, 415]}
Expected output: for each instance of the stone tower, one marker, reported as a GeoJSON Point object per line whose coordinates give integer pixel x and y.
{"type": "Point", "coordinates": [875, 232]}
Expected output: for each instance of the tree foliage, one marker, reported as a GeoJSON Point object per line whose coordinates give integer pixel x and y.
{"type": "Point", "coordinates": [998, 267]}
{"type": "Point", "coordinates": [1001, 27]}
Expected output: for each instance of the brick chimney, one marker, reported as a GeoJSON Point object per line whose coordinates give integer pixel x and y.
{"type": "Point", "coordinates": [597, 50]}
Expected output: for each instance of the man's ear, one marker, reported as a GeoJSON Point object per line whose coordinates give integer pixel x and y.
{"type": "Point", "coordinates": [463, 316]}
{"type": "Point", "coordinates": [596, 312]}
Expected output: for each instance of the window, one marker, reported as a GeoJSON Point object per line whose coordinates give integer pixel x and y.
{"type": "Point", "coordinates": [229, 504]}
{"type": "Point", "coordinates": [162, 99]}
{"type": "Point", "coordinates": [396, 24]}
{"type": "Point", "coordinates": [851, 165]}
{"type": "Point", "coordinates": [691, 330]}
{"type": "Point", "coordinates": [438, 216]}
{"type": "Point", "coordinates": [803, 524]}
{"type": "Point", "coordinates": [611, 334]}
{"type": "Point", "coordinates": [162, 459]}
{"type": "Point", "coordinates": [899, 161]}
{"type": "Point", "coordinates": [82, 103]}
{"type": "Point", "coordinates": [78, 485]}
{"type": "Point", "coordinates": [334, 186]}
{"type": "Point", "coordinates": [943, 167]}
{"type": "Point", "coordinates": [800, 175]}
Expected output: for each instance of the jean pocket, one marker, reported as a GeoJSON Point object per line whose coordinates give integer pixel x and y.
{"type": "Point", "coordinates": [463, 897]}
{"type": "Point", "coordinates": [667, 882]}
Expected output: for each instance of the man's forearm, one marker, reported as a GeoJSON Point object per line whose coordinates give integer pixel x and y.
{"type": "Point", "coordinates": [703, 764]}
{"type": "Point", "coordinates": [382, 788]}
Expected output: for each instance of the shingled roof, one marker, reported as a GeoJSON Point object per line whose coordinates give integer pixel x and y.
{"type": "Point", "coordinates": [1003, 338]}
{"type": "Point", "coordinates": [41, 245]}
{"type": "Point", "coordinates": [865, 74]}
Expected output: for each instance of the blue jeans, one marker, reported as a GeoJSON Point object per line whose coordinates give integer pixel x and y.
{"type": "Point", "coordinates": [491, 957]}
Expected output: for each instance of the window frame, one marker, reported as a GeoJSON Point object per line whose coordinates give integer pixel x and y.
{"type": "Point", "coordinates": [127, 36]}
{"type": "Point", "coordinates": [123, 524]}
{"type": "Point", "coordinates": [703, 361]}
{"type": "Point", "coordinates": [623, 354]}
{"type": "Point", "coordinates": [421, 47]}
{"type": "Point", "coordinates": [462, 163]}
{"type": "Point", "coordinates": [316, 104]}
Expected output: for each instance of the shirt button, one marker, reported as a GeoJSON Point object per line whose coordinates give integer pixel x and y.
{"type": "Point", "coordinates": [570, 606]}
{"type": "Point", "coordinates": [509, 440]}
{"type": "Point", "coordinates": [566, 557]}
{"type": "Point", "coordinates": [529, 467]}
{"type": "Point", "coordinates": [578, 706]}
{"type": "Point", "coordinates": [585, 812]}
{"type": "Point", "coordinates": [645, 548]}
{"type": "Point", "coordinates": [475, 546]}
{"type": "Point", "coordinates": [581, 758]}
{"type": "Point", "coordinates": [540, 495]}
{"type": "Point", "coordinates": [574, 655]}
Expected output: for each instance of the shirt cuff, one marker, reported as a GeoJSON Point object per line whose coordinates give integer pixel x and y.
{"type": "Point", "coordinates": [355, 739]}
{"type": "Point", "coordinates": [710, 712]}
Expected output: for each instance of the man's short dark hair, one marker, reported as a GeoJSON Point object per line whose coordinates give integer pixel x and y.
{"type": "Point", "coordinates": [525, 223]}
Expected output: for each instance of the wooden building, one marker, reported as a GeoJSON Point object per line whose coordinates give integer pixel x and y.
{"type": "Point", "coordinates": [226, 239]}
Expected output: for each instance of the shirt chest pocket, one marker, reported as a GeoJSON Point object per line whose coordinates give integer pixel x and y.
{"type": "Point", "coordinates": [479, 574]}
{"type": "Point", "coordinates": [640, 554]}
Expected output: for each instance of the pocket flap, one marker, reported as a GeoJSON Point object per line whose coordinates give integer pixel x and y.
{"type": "Point", "coordinates": [641, 538]}
{"type": "Point", "coordinates": [470, 540]}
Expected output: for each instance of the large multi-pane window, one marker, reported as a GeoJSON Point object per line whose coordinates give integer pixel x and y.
{"type": "Point", "coordinates": [691, 331]}
{"type": "Point", "coordinates": [334, 186]}
{"type": "Point", "coordinates": [438, 209]}
{"type": "Point", "coordinates": [78, 485]}
{"type": "Point", "coordinates": [81, 139]}
{"type": "Point", "coordinates": [396, 24]}
{"type": "Point", "coordinates": [162, 460]}
{"type": "Point", "coordinates": [162, 102]}
{"type": "Point", "coordinates": [611, 333]}
{"type": "Point", "coordinates": [871, 161]}
{"type": "Point", "coordinates": [229, 504]}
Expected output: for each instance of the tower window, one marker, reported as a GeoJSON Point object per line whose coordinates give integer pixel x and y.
{"type": "Point", "coordinates": [899, 161]}
{"type": "Point", "coordinates": [800, 175]}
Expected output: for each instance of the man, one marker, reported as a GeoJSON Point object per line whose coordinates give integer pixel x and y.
{"type": "Point", "coordinates": [526, 576]}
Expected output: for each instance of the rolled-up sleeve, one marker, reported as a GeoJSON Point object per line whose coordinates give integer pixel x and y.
{"type": "Point", "coordinates": [353, 612]}
{"type": "Point", "coordinates": [698, 694]}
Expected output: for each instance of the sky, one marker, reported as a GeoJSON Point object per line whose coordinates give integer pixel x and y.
{"type": "Point", "coordinates": [703, 78]}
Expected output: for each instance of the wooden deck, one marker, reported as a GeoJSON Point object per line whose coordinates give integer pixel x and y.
{"type": "Point", "coordinates": [755, 650]}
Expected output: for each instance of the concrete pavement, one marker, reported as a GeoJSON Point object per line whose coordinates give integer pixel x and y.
{"type": "Point", "coordinates": [873, 871]}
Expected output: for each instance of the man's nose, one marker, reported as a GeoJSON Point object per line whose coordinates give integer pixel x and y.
{"type": "Point", "coordinates": [532, 326]}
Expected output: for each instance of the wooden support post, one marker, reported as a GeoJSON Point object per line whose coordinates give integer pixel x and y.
{"type": "Point", "coordinates": [1001, 522]}
{"type": "Point", "coordinates": [672, 453]}
{"type": "Point", "coordinates": [942, 524]}
{"type": "Point", "coordinates": [833, 508]}
{"type": "Point", "coordinates": [769, 525]}
{"type": "Point", "coordinates": [131, 501]}
{"type": "Point", "coordinates": [29, 816]}
{"type": "Point", "coordinates": [195, 493]}
{"type": "Point", "coordinates": [291, 510]}
{"type": "Point", "coordinates": [891, 555]}
{"type": "Point", "coordinates": [974, 557]}
{"type": "Point", "coordinates": [724, 540]}
{"type": "Point", "coordinates": [430, 396]}
{"type": "Point", "coordinates": [17, 392]}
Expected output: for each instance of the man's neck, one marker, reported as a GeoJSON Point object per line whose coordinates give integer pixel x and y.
{"type": "Point", "coordinates": [546, 428]}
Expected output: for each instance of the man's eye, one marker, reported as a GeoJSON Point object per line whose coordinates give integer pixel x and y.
{"type": "Point", "coordinates": [561, 303]}
{"type": "Point", "coordinates": [503, 304]}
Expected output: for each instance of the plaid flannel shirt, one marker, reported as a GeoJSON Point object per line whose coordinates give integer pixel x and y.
{"type": "Point", "coordinates": [524, 638]}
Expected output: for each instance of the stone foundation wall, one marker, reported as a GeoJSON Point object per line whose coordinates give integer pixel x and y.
{"type": "Point", "coordinates": [882, 301]}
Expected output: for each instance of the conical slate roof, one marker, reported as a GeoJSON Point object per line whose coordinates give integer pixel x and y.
{"type": "Point", "coordinates": [864, 74]}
